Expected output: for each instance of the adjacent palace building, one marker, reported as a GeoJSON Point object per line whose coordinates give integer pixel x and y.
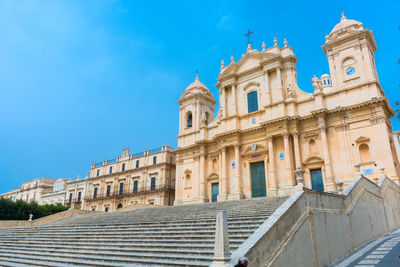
{"type": "Point", "coordinates": [266, 128]}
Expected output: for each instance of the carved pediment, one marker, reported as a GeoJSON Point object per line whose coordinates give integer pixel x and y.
{"type": "Point", "coordinates": [313, 159]}
{"type": "Point", "coordinates": [250, 84]}
{"type": "Point", "coordinates": [213, 176]}
{"type": "Point", "coordinates": [248, 61]}
{"type": "Point", "coordinates": [254, 148]}
{"type": "Point", "coordinates": [362, 139]}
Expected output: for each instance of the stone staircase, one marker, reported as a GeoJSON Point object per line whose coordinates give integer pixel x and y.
{"type": "Point", "coordinates": [164, 236]}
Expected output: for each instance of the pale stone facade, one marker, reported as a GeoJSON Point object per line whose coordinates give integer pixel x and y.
{"type": "Point", "coordinates": [396, 138]}
{"type": "Point", "coordinates": [57, 195]}
{"type": "Point", "coordinates": [32, 190]}
{"type": "Point", "coordinates": [142, 178]}
{"type": "Point", "coordinates": [76, 191]}
{"type": "Point", "coordinates": [267, 127]}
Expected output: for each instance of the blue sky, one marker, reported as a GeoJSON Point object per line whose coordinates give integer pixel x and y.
{"type": "Point", "coordinates": [81, 80]}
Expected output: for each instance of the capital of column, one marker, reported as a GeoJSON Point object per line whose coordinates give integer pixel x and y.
{"type": "Point", "coordinates": [269, 138]}
{"type": "Point", "coordinates": [285, 134]}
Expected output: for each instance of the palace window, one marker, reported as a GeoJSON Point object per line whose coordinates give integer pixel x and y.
{"type": "Point", "coordinates": [135, 186]}
{"type": "Point", "coordinates": [70, 197]}
{"type": "Point", "coordinates": [252, 101]}
{"type": "Point", "coordinates": [154, 160]}
{"type": "Point", "coordinates": [123, 166]}
{"type": "Point", "coordinates": [189, 119]}
{"type": "Point", "coordinates": [106, 209]}
{"type": "Point", "coordinates": [79, 196]}
{"type": "Point", "coordinates": [137, 163]}
{"type": "Point", "coordinates": [110, 169]}
{"type": "Point", "coordinates": [153, 183]}
{"type": "Point", "coordinates": [98, 172]}
{"type": "Point", "coordinates": [108, 190]}
{"type": "Point", "coordinates": [121, 188]}
{"type": "Point", "coordinates": [364, 152]}
{"type": "Point", "coordinates": [95, 192]}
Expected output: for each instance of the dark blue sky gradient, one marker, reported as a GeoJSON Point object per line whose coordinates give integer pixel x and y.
{"type": "Point", "coordinates": [81, 80]}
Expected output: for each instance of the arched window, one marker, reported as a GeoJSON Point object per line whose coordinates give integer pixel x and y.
{"type": "Point", "coordinates": [119, 206]}
{"type": "Point", "coordinates": [252, 101]}
{"type": "Point", "coordinates": [189, 119]}
{"type": "Point", "coordinates": [312, 146]}
{"type": "Point", "coordinates": [364, 152]}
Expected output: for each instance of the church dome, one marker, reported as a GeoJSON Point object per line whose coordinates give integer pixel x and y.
{"type": "Point", "coordinates": [346, 24]}
{"type": "Point", "coordinates": [197, 87]}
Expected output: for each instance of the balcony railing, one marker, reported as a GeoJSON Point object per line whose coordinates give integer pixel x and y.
{"type": "Point", "coordinates": [127, 192]}
{"type": "Point", "coordinates": [74, 200]}
{"type": "Point", "coordinates": [136, 155]}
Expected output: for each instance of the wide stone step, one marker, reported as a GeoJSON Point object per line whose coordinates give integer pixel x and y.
{"type": "Point", "coordinates": [128, 234]}
{"type": "Point", "coordinates": [119, 221]}
{"type": "Point", "coordinates": [105, 250]}
{"type": "Point", "coordinates": [81, 245]}
{"type": "Point", "coordinates": [122, 260]}
{"type": "Point", "coordinates": [142, 242]}
{"type": "Point", "coordinates": [209, 228]}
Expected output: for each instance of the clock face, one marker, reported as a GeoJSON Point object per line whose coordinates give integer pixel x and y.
{"type": "Point", "coordinates": [350, 71]}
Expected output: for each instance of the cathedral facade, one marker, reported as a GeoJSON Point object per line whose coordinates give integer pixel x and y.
{"type": "Point", "coordinates": [267, 127]}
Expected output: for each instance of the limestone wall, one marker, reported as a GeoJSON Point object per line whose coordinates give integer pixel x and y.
{"type": "Point", "coordinates": [43, 220]}
{"type": "Point", "coordinates": [314, 228]}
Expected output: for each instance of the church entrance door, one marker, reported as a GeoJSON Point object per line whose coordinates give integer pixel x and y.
{"type": "Point", "coordinates": [215, 191]}
{"type": "Point", "coordinates": [317, 183]}
{"type": "Point", "coordinates": [257, 171]}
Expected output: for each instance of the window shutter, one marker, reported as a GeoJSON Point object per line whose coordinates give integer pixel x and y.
{"type": "Point", "coordinates": [252, 102]}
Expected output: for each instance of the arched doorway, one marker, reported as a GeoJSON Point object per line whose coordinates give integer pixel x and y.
{"type": "Point", "coordinates": [119, 206]}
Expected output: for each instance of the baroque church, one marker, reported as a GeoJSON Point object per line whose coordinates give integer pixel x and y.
{"type": "Point", "coordinates": [267, 127]}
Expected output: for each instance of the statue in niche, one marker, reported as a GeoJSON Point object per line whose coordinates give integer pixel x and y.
{"type": "Point", "coordinates": [290, 91]}
{"type": "Point", "coordinates": [220, 114]}
{"type": "Point", "coordinates": [203, 120]}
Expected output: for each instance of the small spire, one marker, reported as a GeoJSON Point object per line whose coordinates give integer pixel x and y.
{"type": "Point", "coordinates": [197, 74]}
{"type": "Point", "coordinates": [275, 41]}
{"type": "Point", "coordinates": [249, 47]}
{"type": "Point", "coordinates": [232, 59]}
{"type": "Point", "coordinates": [343, 16]}
{"type": "Point", "coordinates": [263, 45]}
{"type": "Point", "coordinates": [222, 63]}
{"type": "Point", "coordinates": [285, 42]}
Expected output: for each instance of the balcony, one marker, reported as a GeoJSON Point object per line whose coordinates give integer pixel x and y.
{"type": "Point", "coordinates": [128, 192]}
{"type": "Point", "coordinates": [74, 200]}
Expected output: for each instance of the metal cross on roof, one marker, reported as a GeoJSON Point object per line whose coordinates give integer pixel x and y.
{"type": "Point", "coordinates": [248, 34]}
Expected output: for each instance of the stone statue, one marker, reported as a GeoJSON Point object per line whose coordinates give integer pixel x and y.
{"type": "Point", "coordinates": [290, 91]}
{"type": "Point", "coordinates": [203, 121]}
{"type": "Point", "coordinates": [316, 83]}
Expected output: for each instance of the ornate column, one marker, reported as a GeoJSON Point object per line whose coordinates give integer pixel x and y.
{"type": "Point", "coordinates": [238, 192]}
{"type": "Point", "coordinates": [234, 99]}
{"type": "Point", "coordinates": [223, 101]}
{"type": "Point", "coordinates": [297, 154]}
{"type": "Point", "coordinates": [223, 194]}
{"type": "Point", "coordinates": [202, 180]}
{"type": "Point", "coordinates": [279, 78]}
{"type": "Point", "coordinates": [327, 159]}
{"type": "Point", "coordinates": [288, 162]}
{"type": "Point", "coordinates": [268, 99]}
{"type": "Point", "coordinates": [272, 190]}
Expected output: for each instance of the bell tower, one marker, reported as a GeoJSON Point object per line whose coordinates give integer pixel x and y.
{"type": "Point", "coordinates": [350, 50]}
{"type": "Point", "coordinates": [196, 109]}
